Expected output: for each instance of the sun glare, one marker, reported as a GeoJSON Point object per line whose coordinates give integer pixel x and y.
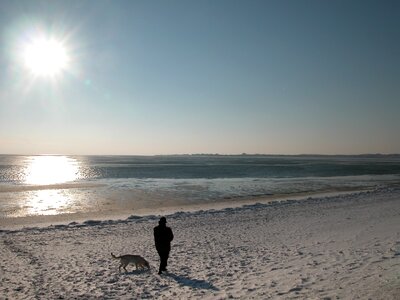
{"type": "Point", "coordinates": [44, 170]}
{"type": "Point", "coordinates": [45, 57]}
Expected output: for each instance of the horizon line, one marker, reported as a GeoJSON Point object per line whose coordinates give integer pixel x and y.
{"type": "Point", "coordinates": [205, 154]}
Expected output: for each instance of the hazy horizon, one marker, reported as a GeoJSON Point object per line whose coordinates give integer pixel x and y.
{"type": "Point", "coordinates": [180, 77]}
{"type": "Point", "coordinates": [206, 154]}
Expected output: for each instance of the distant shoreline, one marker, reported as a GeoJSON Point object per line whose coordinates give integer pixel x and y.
{"type": "Point", "coordinates": [366, 155]}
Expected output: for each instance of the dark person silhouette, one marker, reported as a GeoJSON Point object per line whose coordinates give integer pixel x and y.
{"type": "Point", "coordinates": [162, 237]}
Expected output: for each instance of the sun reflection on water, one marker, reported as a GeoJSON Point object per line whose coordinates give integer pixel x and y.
{"type": "Point", "coordinates": [46, 170]}
{"type": "Point", "coordinates": [48, 202]}
{"type": "Point", "coordinates": [48, 173]}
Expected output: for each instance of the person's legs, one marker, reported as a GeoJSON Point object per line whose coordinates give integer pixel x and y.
{"type": "Point", "coordinates": [159, 254]}
{"type": "Point", "coordinates": [163, 261]}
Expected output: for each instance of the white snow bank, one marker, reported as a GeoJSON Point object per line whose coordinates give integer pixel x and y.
{"type": "Point", "coordinates": [346, 246]}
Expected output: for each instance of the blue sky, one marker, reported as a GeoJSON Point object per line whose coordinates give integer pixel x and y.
{"type": "Point", "coordinates": [163, 77]}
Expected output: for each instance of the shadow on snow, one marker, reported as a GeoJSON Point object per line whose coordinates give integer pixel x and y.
{"type": "Point", "coordinates": [194, 283]}
{"type": "Point", "coordinates": [135, 272]}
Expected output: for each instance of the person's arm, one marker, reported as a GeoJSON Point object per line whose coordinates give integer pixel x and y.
{"type": "Point", "coordinates": [171, 235]}
{"type": "Point", "coordinates": [155, 236]}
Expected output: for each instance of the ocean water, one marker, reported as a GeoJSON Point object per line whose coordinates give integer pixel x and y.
{"type": "Point", "coordinates": [50, 185]}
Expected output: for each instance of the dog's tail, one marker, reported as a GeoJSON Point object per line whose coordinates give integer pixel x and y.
{"type": "Point", "coordinates": [116, 257]}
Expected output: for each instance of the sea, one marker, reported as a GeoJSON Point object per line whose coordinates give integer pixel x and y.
{"type": "Point", "coordinates": [32, 185]}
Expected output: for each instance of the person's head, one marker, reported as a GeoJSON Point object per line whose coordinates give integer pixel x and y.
{"type": "Point", "coordinates": [162, 221]}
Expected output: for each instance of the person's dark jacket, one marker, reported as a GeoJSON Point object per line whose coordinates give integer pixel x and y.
{"type": "Point", "coordinates": [163, 236]}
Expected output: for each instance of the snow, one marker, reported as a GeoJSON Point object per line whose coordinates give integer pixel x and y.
{"type": "Point", "coordinates": [345, 246]}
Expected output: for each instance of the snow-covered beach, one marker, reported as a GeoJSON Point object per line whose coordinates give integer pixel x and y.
{"type": "Point", "coordinates": [345, 246]}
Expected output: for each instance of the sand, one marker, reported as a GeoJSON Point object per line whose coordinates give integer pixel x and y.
{"type": "Point", "coordinates": [345, 246]}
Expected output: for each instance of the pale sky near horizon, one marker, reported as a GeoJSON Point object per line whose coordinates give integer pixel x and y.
{"type": "Point", "coordinates": [171, 77]}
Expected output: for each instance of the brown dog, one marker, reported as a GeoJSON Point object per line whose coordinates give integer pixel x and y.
{"type": "Point", "coordinates": [136, 260]}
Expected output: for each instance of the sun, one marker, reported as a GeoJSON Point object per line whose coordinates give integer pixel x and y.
{"type": "Point", "coordinates": [45, 57]}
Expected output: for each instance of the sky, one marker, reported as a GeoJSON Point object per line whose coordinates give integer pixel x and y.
{"type": "Point", "coordinates": [175, 77]}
